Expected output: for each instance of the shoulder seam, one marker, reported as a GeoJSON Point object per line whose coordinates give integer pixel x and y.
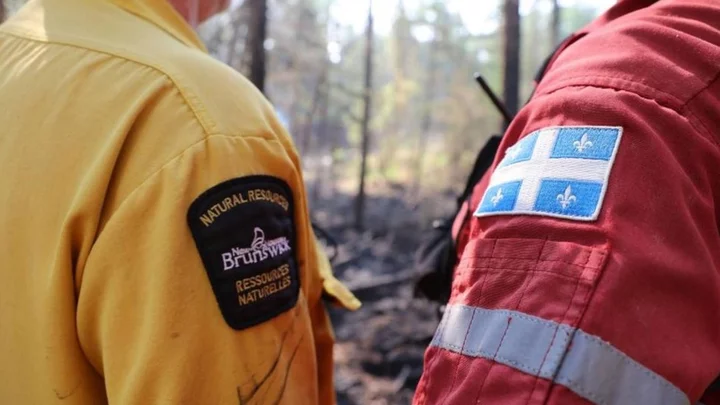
{"type": "Point", "coordinates": [178, 156]}
{"type": "Point", "coordinates": [207, 126]}
{"type": "Point", "coordinates": [703, 89]}
{"type": "Point", "coordinates": [687, 107]}
{"type": "Point", "coordinates": [80, 272]}
{"type": "Point", "coordinates": [681, 109]}
{"type": "Point", "coordinates": [581, 81]}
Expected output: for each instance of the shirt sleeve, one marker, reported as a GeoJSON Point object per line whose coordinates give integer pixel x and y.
{"type": "Point", "coordinates": [591, 271]}
{"type": "Point", "coordinates": [215, 304]}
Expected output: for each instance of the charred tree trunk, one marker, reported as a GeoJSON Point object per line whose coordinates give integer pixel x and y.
{"type": "Point", "coordinates": [512, 55]}
{"type": "Point", "coordinates": [257, 35]}
{"type": "Point", "coordinates": [555, 24]}
{"type": "Point", "coordinates": [365, 147]}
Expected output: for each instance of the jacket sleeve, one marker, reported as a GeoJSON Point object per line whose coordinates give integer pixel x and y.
{"type": "Point", "coordinates": [153, 311]}
{"type": "Point", "coordinates": [620, 308]}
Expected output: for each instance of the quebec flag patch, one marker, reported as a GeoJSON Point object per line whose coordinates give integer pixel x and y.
{"type": "Point", "coordinates": [558, 172]}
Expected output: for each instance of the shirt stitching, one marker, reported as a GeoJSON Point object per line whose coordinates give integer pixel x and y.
{"type": "Point", "coordinates": [597, 397]}
{"type": "Point", "coordinates": [179, 155]}
{"type": "Point", "coordinates": [527, 260]}
{"type": "Point", "coordinates": [467, 332]}
{"type": "Point", "coordinates": [568, 82]}
{"type": "Point", "coordinates": [688, 115]}
{"type": "Point", "coordinates": [547, 351]}
{"type": "Point", "coordinates": [149, 178]}
{"type": "Point", "coordinates": [197, 109]}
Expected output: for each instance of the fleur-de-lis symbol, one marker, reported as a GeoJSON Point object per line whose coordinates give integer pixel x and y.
{"type": "Point", "coordinates": [513, 152]}
{"type": "Point", "coordinates": [583, 143]}
{"type": "Point", "coordinates": [567, 198]}
{"type": "Point", "coordinates": [497, 198]}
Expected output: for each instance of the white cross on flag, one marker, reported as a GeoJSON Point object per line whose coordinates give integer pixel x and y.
{"type": "Point", "coordinates": [558, 172]}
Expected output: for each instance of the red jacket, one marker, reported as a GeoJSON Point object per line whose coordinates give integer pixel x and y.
{"type": "Point", "coordinates": [589, 272]}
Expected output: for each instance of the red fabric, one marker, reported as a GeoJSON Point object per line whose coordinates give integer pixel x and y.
{"type": "Point", "coordinates": [644, 276]}
{"type": "Point", "coordinates": [553, 280]}
{"type": "Point", "coordinates": [461, 225]}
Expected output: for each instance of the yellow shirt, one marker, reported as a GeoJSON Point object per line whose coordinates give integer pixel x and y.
{"type": "Point", "coordinates": [155, 246]}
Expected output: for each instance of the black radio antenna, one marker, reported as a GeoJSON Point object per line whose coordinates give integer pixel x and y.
{"type": "Point", "coordinates": [494, 98]}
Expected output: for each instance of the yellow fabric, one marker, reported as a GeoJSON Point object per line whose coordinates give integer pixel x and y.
{"type": "Point", "coordinates": [112, 121]}
{"type": "Point", "coordinates": [336, 290]}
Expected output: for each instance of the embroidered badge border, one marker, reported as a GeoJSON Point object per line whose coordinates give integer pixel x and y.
{"type": "Point", "coordinates": [560, 172]}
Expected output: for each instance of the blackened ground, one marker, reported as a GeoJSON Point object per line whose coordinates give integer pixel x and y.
{"type": "Point", "coordinates": [379, 351]}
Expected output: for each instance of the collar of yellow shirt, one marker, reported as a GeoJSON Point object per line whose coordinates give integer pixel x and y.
{"type": "Point", "coordinates": [164, 15]}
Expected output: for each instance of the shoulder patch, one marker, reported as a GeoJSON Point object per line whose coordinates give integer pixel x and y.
{"type": "Point", "coordinates": [558, 172]}
{"type": "Point", "coordinates": [245, 233]}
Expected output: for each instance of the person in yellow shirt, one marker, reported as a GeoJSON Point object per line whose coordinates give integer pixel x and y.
{"type": "Point", "coordinates": [155, 242]}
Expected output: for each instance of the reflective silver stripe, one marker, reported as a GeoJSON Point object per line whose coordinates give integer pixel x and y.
{"type": "Point", "coordinates": [583, 363]}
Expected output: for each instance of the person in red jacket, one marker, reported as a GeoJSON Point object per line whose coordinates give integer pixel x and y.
{"type": "Point", "coordinates": [589, 255]}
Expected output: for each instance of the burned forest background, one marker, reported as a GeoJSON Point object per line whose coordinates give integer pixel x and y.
{"type": "Point", "coordinates": [380, 99]}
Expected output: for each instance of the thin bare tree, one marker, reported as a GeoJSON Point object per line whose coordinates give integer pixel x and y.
{"type": "Point", "coordinates": [511, 40]}
{"type": "Point", "coordinates": [367, 98]}
{"type": "Point", "coordinates": [257, 34]}
{"type": "Point", "coordinates": [555, 24]}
